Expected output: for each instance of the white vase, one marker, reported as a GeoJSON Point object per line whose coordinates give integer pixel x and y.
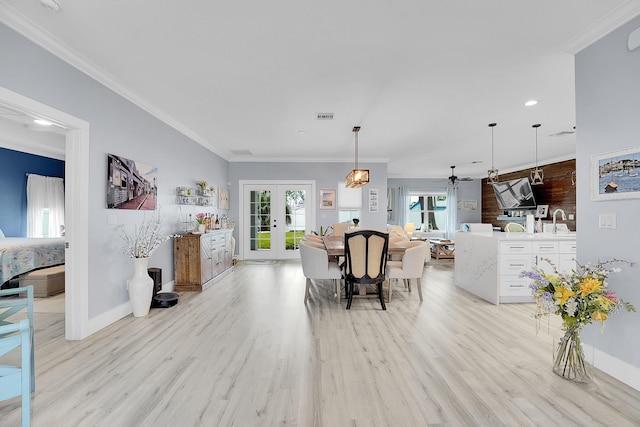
{"type": "Point", "coordinates": [140, 288]}
{"type": "Point", "coordinates": [201, 228]}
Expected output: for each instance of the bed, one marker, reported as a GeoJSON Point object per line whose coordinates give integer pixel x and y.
{"type": "Point", "coordinates": [20, 255]}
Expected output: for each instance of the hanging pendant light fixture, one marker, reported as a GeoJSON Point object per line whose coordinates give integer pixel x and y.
{"type": "Point", "coordinates": [357, 177]}
{"type": "Point", "coordinates": [537, 175]}
{"type": "Point", "coordinates": [492, 174]}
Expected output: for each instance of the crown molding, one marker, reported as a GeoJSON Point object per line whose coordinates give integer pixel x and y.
{"type": "Point", "coordinates": [25, 27]}
{"type": "Point", "coordinates": [609, 22]}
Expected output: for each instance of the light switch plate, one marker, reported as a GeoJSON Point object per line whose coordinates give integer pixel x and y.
{"type": "Point", "coordinates": [607, 221]}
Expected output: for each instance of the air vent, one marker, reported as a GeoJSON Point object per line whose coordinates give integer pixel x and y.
{"type": "Point", "coordinates": [242, 152]}
{"type": "Point", "coordinates": [324, 116]}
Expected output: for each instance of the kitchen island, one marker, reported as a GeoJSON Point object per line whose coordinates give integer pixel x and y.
{"type": "Point", "coordinates": [488, 264]}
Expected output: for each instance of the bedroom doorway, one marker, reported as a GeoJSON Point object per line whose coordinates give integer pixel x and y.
{"type": "Point", "coordinates": [77, 325]}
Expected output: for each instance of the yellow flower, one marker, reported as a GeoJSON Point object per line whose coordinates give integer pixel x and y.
{"type": "Point", "coordinates": [605, 303]}
{"type": "Point", "coordinates": [562, 294]}
{"type": "Point", "coordinates": [589, 286]}
{"type": "Point", "coordinates": [599, 316]}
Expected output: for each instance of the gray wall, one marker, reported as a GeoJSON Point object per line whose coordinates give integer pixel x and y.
{"type": "Point", "coordinates": [326, 175]}
{"type": "Point", "coordinates": [467, 190]}
{"type": "Point", "coordinates": [117, 127]}
{"type": "Point", "coordinates": [608, 114]}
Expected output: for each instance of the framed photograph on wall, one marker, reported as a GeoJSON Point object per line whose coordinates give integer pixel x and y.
{"type": "Point", "coordinates": [223, 195]}
{"type": "Point", "coordinates": [373, 200]}
{"type": "Point", "coordinates": [616, 175]}
{"type": "Point", "coordinates": [542, 211]}
{"type": "Point", "coordinates": [327, 198]}
{"type": "Point", "coordinates": [131, 184]}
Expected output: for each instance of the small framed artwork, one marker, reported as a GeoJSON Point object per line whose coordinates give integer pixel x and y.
{"type": "Point", "coordinates": [373, 200]}
{"type": "Point", "coordinates": [616, 175]}
{"type": "Point", "coordinates": [542, 211]}
{"type": "Point", "coordinates": [223, 196]}
{"type": "Point", "coordinates": [468, 205]}
{"type": "Point", "coordinates": [327, 198]}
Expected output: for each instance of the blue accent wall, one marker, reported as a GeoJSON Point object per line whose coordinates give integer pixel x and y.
{"type": "Point", "coordinates": [14, 167]}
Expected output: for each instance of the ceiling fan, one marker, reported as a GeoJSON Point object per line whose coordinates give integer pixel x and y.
{"type": "Point", "coordinates": [453, 179]}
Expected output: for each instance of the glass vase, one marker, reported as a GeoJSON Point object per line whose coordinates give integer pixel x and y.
{"type": "Point", "coordinates": [569, 360]}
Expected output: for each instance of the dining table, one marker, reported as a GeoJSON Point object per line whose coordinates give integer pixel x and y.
{"type": "Point", "coordinates": [335, 247]}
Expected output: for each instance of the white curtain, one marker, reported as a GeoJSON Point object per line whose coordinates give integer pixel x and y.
{"type": "Point", "coordinates": [452, 212]}
{"type": "Point", "coordinates": [403, 205]}
{"type": "Point", "coordinates": [45, 197]}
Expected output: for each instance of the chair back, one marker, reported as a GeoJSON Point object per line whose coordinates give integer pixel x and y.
{"type": "Point", "coordinates": [315, 262]}
{"type": "Point", "coordinates": [11, 307]}
{"type": "Point", "coordinates": [413, 260]}
{"type": "Point", "coordinates": [341, 227]}
{"type": "Point", "coordinates": [514, 227]}
{"type": "Point", "coordinates": [16, 380]}
{"type": "Point", "coordinates": [396, 232]}
{"type": "Point", "coordinates": [366, 256]}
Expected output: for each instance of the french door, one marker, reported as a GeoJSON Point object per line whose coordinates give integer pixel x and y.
{"type": "Point", "coordinates": [275, 216]}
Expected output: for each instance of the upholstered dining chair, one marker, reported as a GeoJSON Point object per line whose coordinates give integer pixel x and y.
{"type": "Point", "coordinates": [411, 266]}
{"type": "Point", "coordinates": [340, 228]}
{"type": "Point", "coordinates": [365, 261]}
{"type": "Point", "coordinates": [316, 265]}
{"type": "Point", "coordinates": [514, 227]}
{"type": "Point", "coordinates": [16, 380]}
{"type": "Point", "coordinates": [13, 303]}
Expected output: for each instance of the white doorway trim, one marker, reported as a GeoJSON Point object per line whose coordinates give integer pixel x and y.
{"type": "Point", "coordinates": [77, 325]}
{"type": "Point", "coordinates": [311, 212]}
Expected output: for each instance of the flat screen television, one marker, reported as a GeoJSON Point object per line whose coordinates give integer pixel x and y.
{"type": "Point", "coordinates": [515, 194]}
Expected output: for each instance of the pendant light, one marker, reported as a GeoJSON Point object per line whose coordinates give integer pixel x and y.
{"type": "Point", "coordinates": [357, 177]}
{"type": "Point", "coordinates": [537, 175]}
{"type": "Point", "coordinates": [492, 174]}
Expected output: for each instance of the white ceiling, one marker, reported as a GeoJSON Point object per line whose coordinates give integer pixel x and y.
{"type": "Point", "coordinates": [423, 78]}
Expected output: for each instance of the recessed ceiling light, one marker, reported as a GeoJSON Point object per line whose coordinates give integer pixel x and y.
{"type": "Point", "coordinates": [42, 122]}
{"type": "Point", "coordinates": [531, 103]}
{"type": "Point", "coordinates": [300, 132]}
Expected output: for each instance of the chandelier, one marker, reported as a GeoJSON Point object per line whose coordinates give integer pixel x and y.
{"type": "Point", "coordinates": [357, 177]}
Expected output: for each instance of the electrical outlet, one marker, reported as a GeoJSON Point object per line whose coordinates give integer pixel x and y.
{"type": "Point", "coordinates": [571, 217]}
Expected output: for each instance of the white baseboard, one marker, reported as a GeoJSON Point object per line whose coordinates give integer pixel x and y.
{"type": "Point", "coordinates": [620, 370]}
{"type": "Point", "coordinates": [108, 317]}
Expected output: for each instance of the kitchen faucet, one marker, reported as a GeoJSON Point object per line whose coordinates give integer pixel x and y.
{"type": "Point", "coordinates": [564, 218]}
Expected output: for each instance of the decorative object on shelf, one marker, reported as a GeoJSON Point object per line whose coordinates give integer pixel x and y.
{"type": "Point", "coordinates": [492, 174]}
{"type": "Point", "coordinates": [140, 247]}
{"type": "Point", "coordinates": [357, 177]}
{"type": "Point", "coordinates": [537, 175]}
{"type": "Point", "coordinates": [580, 297]}
{"type": "Point", "coordinates": [200, 217]}
{"type": "Point", "coordinates": [542, 211]}
{"type": "Point", "coordinates": [203, 186]}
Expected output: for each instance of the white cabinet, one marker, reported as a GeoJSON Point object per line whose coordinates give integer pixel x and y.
{"type": "Point", "coordinates": [489, 264]}
{"type": "Point", "coordinates": [201, 258]}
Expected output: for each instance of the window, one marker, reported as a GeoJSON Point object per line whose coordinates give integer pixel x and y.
{"type": "Point", "coordinates": [428, 211]}
{"type": "Point", "coordinates": [349, 202]}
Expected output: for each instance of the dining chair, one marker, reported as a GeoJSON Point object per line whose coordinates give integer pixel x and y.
{"type": "Point", "coordinates": [12, 303]}
{"type": "Point", "coordinates": [16, 380]}
{"type": "Point", "coordinates": [411, 266]}
{"type": "Point", "coordinates": [514, 227]}
{"type": "Point", "coordinates": [316, 265]}
{"type": "Point", "coordinates": [340, 228]}
{"type": "Point", "coordinates": [365, 261]}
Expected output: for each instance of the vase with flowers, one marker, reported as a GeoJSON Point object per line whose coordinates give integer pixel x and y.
{"type": "Point", "coordinates": [139, 246]}
{"type": "Point", "coordinates": [579, 297]}
{"type": "Point", "coordinates": [200, 217]}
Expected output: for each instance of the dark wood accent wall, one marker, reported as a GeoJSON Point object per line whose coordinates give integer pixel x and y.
{"type": "Point", "coordinates": [557, 191]}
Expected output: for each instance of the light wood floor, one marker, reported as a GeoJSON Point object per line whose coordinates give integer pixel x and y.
{"type": "Point", "coordinates": [249, 352]}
